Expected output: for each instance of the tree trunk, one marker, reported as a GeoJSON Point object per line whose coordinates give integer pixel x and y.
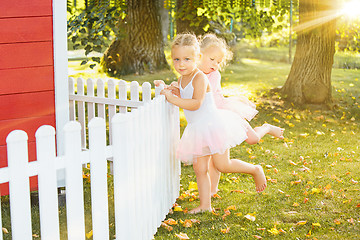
{"type": "Point", "coordinates": [165, 21]}
{"type": "Point", "coordinates": [140, 46]}
{"type": "Point", "coordinates": [309, 80]}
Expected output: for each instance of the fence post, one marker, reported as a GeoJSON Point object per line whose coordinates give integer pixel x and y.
{"type": "Point", "coordinates": [134, 91]}
{"type": "Point", "coordinates": [17, 151]}
{"type": "Point", "coordinates": [112, 108]}
{"type": "Point", "coordinates": [98, 173]}
{"type": "Point", "coordinates": [101, 93]}
{"type": "Point", "coordinates": [72, 102]}
{"type": "Point", "coordinates": [148, 167]}
{"type": "Point", "coordinates": [146, 92]}
{"type": "Point", "coordinates": [135, 132]}
{"type": "Point", "coordinates": [81, 111]}
{"type": "Point", "coordinates": [158, 90]}
{"type": "Point", "coordinates": [122, 95]}
{"type": "Point", "coordinates": [125, 222]}
{"type": "Point", "coordinates": [48, 198]}
{"type": "Point", "coordinates": [142, 161]}
{"type": "Point", "coordinates": [74, 182]}
{"type": "Point", "coordinates": [160, 168]}
{"type": "Point", "coordinates": [90, 86]}
{"type": "Point", "coordinates": [153, 159]}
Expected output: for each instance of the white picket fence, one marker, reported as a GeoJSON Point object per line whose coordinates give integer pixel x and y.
{"type": "Point", "coordinates": [86, 104]}
{"type": "Point", "coordinates": [145, 170]}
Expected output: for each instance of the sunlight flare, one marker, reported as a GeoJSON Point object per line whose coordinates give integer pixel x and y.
{"type": "Point", "coordinates": [324, 17]}
{"type": "Point", "coordinates": [351, 9]}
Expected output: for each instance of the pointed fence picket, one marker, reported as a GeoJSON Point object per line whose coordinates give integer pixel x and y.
{"type": "Point", "coordinates": [145, 170]}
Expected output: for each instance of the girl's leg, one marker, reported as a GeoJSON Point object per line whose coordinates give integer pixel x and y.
{"type": "Point", "coordinates": [214, 178]}
{"type": "Point", "coordinates": [224, 164]}
{"type": "Point", "coordinates": [254, 135]}
{"type": "Point", "coordinates": [201, 168]}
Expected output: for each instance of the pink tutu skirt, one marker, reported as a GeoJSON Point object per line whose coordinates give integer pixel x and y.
{"type": "Point", "coordinates": [211, 133]}
{"type": "Point", "coordinates": [240, 105]}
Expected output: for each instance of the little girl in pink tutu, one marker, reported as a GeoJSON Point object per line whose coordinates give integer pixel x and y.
{"type": "Point", "coordinates": [210, 132]}
{"type": "Point", "coordinates": [215, 54]}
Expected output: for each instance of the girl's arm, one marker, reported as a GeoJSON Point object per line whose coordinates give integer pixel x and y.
{"type": "Point", "coordinates": [199, 85]}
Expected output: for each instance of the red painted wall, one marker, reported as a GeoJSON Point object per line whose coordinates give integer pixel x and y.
{"type": "Point", "coordinates": [27, 96]}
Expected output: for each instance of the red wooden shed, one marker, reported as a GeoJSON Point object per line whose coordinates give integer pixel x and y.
{"type": "Point", "coordinates": [33, 71]}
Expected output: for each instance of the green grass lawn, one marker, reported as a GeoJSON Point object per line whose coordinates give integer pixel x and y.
{"type": "Point", "coordinates": [313, 174]}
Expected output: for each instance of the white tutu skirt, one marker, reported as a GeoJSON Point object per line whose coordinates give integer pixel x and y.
{"type": "Point", "coordinates": [240, 105]}
{"type": "Point", "coordinates": [211, 133]}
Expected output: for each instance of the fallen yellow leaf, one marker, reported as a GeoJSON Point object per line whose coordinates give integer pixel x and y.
{"type": "Point", "coordinates": [316, 224]}
{"type": "Point", "coordinates": [225, 230]}
{"type": "Point", "coordinates": [250, 217]}
{"type": "Point", "coordinates": [239, 191]}
{"type": "Point", "coordinates": [232, 207]}
{"type": "Point", "coordinates": [292, 163]}
{"type": "Point", "coordinates": [187, 223]}
{"type": "Point", "coordinates": [5, 230]}
{"type": "Point", "coordinates": [178, 209]}
{"type": "Point", "coordinates": [89, 234]}
{"type": "Point", "coordinates": [316, 190]}
{"type": "Point", "coordinates": [182, 235]}
{"type": "Point", "coordinates": [170, 221]}
{"type": "Point", "coordinates": [301, 223]}
{"type": "Point", "coordinates": [193, 186]}
{"type": "Point", "coordinates": [274, 231]}
{"type": "Point", "coordinates": [257, 237]}
{"type": "Point", "coordinates": [164, 225]}
{"type": "Point", "coordinates": [216, 196]}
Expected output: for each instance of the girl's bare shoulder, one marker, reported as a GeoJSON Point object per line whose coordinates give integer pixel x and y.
{"type": "Point", "coordinates": [200, 76]}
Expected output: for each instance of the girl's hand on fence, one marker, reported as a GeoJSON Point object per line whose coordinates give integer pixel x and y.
{"type": "Point", "coordinates": [168, 94]}
{"type": "Point", "coordinates": [157, 83]}
{"type": "Point", "coordinates": [174, 84]}
{"type": "Point", "coordinates": [174, 90]}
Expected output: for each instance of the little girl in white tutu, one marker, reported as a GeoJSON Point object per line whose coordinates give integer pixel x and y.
{"type": "Point", "coordinates": [210, 131]}
{"type": "Point", "coordinates": [215, 54]}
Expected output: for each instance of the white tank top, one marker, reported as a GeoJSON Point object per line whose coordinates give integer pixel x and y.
{"type": "Point", "coordinates": [206, 107]}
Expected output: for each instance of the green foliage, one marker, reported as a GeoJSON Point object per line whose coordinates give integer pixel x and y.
{"type": "Point", "coordinates": [94, 27]}
{"type": "Point", "coordinates": [348, 35]}
{"type": "Point", "coordinates": [249, 18]}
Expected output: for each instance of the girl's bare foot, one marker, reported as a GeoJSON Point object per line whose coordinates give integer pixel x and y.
{"type": "Point", "coordinates": [200, 210]}
{"type": "Point", "coordinates": [275, 131]}
{"type": "Point", "coordinates": [260, 179]}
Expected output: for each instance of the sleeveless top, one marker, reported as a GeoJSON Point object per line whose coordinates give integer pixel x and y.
{"type": "Point", "coordinates": [208, 104]}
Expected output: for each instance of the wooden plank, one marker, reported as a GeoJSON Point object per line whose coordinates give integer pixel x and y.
{"type": "Point", "coordinates": [27, 105]}
{"type": "Point", "coordinates": [30, 125]}
{"type": "Point", "coordinates": [20, 55]}
{"type": "Point", "coordinates": [32, 29]}
{"type": "Point", "coordinates": [21, 8]}
{"type": "Point", "coordinates": [22, 80]}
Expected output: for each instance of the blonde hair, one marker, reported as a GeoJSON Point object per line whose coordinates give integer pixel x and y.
{"type": "Point", "coordinates": [211, 40]}
{"type": "Point", "coordinates": [186, 39]}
